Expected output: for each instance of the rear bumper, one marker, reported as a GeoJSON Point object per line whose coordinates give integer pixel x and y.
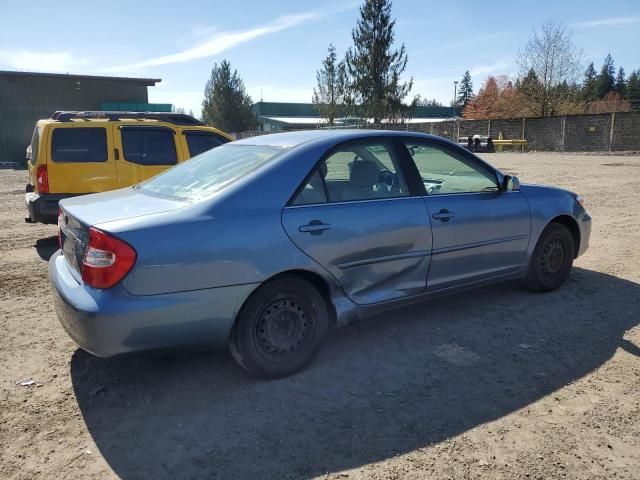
{"type": "Point", "coordinates": [43, 207]}
{"type": "Point", "coordinates": [110, 322]}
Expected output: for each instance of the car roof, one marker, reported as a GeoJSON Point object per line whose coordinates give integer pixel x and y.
{"type": "Point", "coordinates": [293, 139]}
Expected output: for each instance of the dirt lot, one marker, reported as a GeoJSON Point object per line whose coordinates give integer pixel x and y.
{"type": "Point", "coordinates": [495, 383]}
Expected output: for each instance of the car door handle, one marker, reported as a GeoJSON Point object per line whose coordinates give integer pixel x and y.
{"type": "Point", "coordinates": [443, 215]}
{"type": "Point", "coordinates": [314, 227]}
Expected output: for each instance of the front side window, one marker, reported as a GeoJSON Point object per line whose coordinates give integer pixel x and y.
{"type": "Point", "coordinates": [446, 171]}
{"type": "Point", "coordinates": [199, 141]}
{"type": "Point", "coordinates": [149, 146]}
{"type": "Point", "coordinates": [211, 171]}
{"type": "Point", "coordinates": [360, 171]}
{"type": "Point", "coordinates": [78, 144]}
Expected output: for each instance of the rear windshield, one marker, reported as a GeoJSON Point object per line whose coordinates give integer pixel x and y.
{"type": "Point", "coordinates": [211, 171]}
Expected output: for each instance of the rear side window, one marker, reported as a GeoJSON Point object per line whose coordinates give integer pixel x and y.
{"type": "Point", "coordinates": [149, 146]}
{"type": "Point", "coordinates": [35, 144]}
{"type": "Point", "coordinates": [86, 144]}
{"type": "Point", "coordinates": [199, 142]}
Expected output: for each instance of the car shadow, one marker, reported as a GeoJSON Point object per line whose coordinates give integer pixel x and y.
{"type": "Point", "coordinates": [46, 247]}
{"type": "Point", "coordinates": [384, 386]}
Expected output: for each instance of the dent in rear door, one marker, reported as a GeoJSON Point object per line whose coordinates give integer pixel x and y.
{"type": "Point", "coordinates": [377, 250]}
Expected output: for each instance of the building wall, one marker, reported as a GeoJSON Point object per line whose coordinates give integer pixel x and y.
{"type": "Point", "coordinates": [24, 99]}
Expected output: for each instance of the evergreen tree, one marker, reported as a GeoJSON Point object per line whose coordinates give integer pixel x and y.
{"type": "Point", "coordinates": [621, 83]}
{"type": "Point", "coordinates": [532, 89]}
{"type": "Point", "coordinates": [589, 84]}
{"type": "Point", "coordinates": [633, 86]}
{"type": "Point", "coordinates": [425, 102]}
{"type": "Point", "coordinates": [374, 66]}
{"type": "Point", "coordinates": [329, 96]}
{"type": "Point", "coordinates": [226, 104]}
{"type": "Point", "coordinates": [466, 90]}
{"type": "Point", "coordinates": [606, 79]}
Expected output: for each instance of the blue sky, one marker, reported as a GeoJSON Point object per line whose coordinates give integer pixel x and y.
{"type": "Point", "coordinates": [277, 46]}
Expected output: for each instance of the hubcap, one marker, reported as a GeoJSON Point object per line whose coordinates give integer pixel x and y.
{"type": "Point", "coordinates": [552, 258]}
{"type": "Point", "coordinates": [282, 327]}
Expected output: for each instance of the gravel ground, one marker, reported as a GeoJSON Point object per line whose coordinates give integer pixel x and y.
{"type": "Point", "coordinates": [495, 383]}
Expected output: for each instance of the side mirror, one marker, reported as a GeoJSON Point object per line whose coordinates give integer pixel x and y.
{"type": "Point", "coordinates": [510, 183]}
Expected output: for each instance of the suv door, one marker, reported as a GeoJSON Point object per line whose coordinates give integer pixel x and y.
{"type": "Point", "coordinates": [357, 218]}
{"type": "Point", "coordinates": [144, 151]}
{"type": "Point", "coordinates": [80, 158]}
{"type": "Point", "coordinates": [479, 231]}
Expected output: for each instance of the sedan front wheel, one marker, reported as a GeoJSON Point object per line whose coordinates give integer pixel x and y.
{"type": "Point", "coordinates": [552, 259]}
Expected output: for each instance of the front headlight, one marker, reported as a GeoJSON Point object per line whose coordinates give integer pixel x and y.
{"type": "Point", "coordinates": [580, 201]}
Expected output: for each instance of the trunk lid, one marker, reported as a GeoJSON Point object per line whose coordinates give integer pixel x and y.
{"type": "Point", "coordinates": [77, 214]}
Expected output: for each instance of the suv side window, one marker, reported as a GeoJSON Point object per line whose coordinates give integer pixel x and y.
{"type": "Point", "coordinates": [200, 141]}
{"type": "Point", "coordinates": [358, 171]}
{"type": "Point", "coordinates": [445, 171]}
{"type": "Point", "coordinates": [81, 144]}
{"type": "Point", "coordinates": [149, 145]}
{"type": "Point", "coordinates": [35, 145]}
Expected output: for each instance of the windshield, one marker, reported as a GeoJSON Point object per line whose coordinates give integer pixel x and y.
{"type": "Point", "coordinates": [210, 172]}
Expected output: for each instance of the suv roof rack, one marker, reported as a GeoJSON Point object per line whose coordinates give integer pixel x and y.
{"type": "Point", "coordinates": [169, 117]}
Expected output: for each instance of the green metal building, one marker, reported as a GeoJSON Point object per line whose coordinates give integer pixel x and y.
{"type": "Point", "coordinates": [26, 97]}
{"type": "Point", "coordinates": [280, 116]}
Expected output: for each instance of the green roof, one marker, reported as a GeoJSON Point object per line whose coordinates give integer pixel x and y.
{"type": "Point", "coordinates": [282, 109]}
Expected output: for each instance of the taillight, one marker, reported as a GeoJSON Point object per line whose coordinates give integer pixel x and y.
{"type": "Point", "coordinates": [42, 178]}
{"type": "Point", "coordinates": [107, 260]}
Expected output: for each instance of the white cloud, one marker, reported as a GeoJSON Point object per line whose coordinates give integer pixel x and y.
{"type": "Point", "coordinates": [221, 41]}
{"type": "Point", "coordinates": [40, 61]}
{"type": "Point", "coordinates": [463, 43]}
{"type": "Point", "coordinates": [607, 22]}
{"type": "Point", "coordinates": [498, 67]}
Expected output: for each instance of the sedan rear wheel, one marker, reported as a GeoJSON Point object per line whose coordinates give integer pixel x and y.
{"type": "Point", "coordinates": [280, 327]}
{"type": "Point", "coordinates": [552, 259]}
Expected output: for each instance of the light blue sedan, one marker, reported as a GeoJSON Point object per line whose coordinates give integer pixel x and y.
{"type": "Point", "coordinates": [262, 244]}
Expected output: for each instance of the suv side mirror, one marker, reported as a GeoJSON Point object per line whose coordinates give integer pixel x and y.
{"type": "Point", "coordinates": [510, 183]}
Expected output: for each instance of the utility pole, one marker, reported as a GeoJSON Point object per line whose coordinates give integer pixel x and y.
{"type": "Point", "coordinates": [455, 95]}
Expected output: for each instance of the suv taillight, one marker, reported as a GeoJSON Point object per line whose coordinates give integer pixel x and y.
{"type": "Point", "coordinates": [107, 260]}
{"type": "Point", "coordinates": [42, 178]}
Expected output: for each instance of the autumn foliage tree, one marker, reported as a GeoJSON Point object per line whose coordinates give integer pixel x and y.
{"type": "Point", "coordinates": [612, 102]}
{"type": "Point", "coordinates": [498, 98]}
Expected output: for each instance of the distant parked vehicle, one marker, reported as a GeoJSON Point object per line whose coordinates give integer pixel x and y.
{"type": "Point", "coordinates": [75, 153]}
{"type": "Point", "coordinates": [261, 244]}
{"type": "Point", "coordinates": [477, 143]}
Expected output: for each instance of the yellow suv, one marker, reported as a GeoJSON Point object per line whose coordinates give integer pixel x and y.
{"type": "Point", "coordinates": [75, 153]}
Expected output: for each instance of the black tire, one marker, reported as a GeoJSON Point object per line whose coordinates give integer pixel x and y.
{"type": "Point", "coordinates": [552, 259]}
{"type": "Point", "coordinates": [279, 328]}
